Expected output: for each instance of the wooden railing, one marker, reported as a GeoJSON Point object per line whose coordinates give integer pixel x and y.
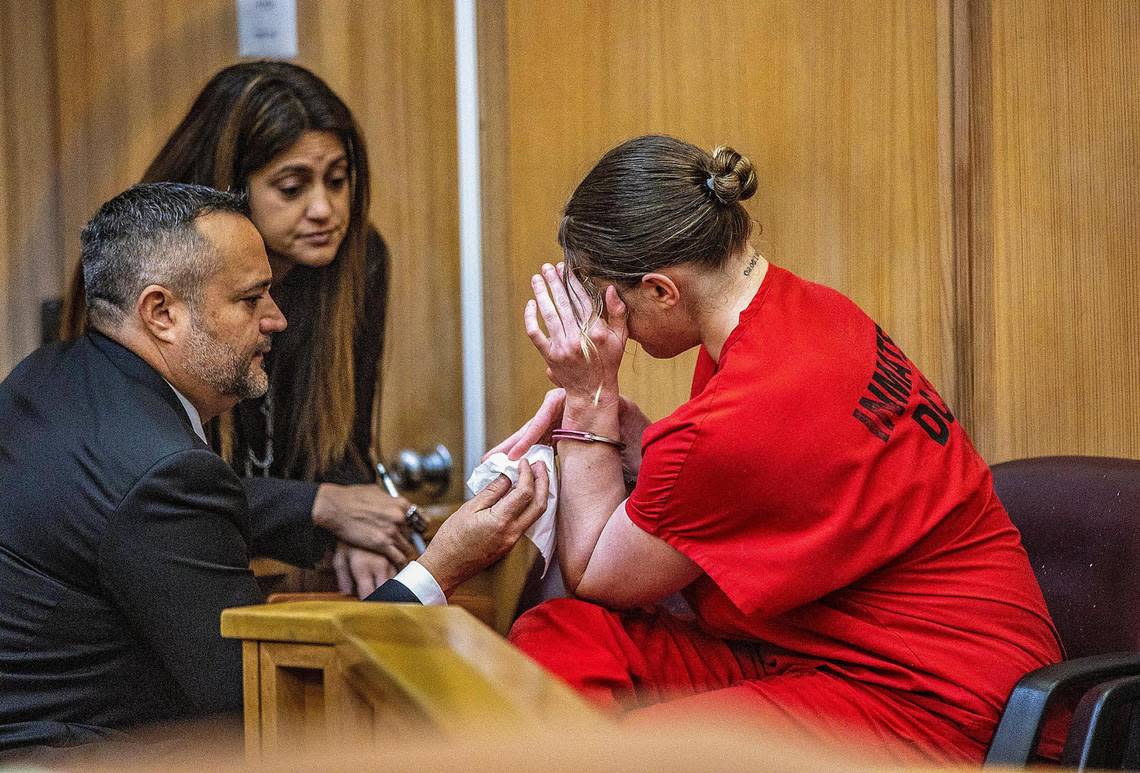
{"type": "Point", "coordinates": [320, 669]}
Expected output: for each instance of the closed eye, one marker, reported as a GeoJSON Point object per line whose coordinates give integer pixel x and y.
{"type": "Point", "coordinates": [292, 185]}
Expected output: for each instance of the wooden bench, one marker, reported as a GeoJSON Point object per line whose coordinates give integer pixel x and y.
{"type": "Point", "coordinates": [320, 669]}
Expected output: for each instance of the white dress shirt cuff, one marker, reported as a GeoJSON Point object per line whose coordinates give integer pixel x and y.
{"type": "Point", "coordinates": [420, 582]}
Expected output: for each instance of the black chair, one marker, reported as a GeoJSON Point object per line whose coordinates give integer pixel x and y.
{"type": "Point", "coordinates": [1105, 731]}
{"type": "Point", "coordinates": [1079, 519]}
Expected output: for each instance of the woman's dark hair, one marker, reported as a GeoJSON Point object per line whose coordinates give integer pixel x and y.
{"type": "Point", "coordinates": [654, 202]}
{"type": "Point", "coordinates": [245, 116]}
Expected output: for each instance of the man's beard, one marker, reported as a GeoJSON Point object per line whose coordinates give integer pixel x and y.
{"type": "Point", "coordinates": [230, 371]}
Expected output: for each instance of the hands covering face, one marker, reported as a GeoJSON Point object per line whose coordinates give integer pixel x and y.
{"type": "Point", "coordinates": [584, 363]}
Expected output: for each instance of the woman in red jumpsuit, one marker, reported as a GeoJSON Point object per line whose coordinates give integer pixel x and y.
{"type": "Point", "coordinates": [851, 572]}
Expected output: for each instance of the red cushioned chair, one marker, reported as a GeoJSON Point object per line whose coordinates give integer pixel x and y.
{"type": "Point", "coordinates": [1079, 519]}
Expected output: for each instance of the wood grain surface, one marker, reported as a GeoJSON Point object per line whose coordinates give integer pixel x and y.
{"type": "Point", "coordinates": [837, 104]}
{"type": "Point", "coordinates": [966, 170]}
{"type": "Point", "coordinates": [30, 265]}
{"type": "Point", "coordinates": [1057, 289]}
{"type": "Point", "coordinates": [128, 70]}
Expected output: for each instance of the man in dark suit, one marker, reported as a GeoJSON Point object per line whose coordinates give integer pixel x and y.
{"type": "Point", "coordinates": [122, 535]}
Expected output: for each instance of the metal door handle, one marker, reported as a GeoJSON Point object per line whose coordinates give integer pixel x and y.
{"type": "Point", "coordinates": [428, 470]}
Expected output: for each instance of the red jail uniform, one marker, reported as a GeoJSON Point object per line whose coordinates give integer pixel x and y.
{"type": "Point", "coordinates": [861, 578]}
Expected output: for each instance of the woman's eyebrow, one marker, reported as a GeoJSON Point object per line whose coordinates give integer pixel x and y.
{"type": "Point", "coordinates": [292, 169]}
{"type": "Point", "coordinates": [303, 168]}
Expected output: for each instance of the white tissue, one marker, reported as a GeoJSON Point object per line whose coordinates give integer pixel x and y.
{"type": "Point", "coordinates": [542, 532]}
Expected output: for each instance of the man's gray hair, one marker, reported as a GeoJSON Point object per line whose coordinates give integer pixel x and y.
{"type": "Point", "coordinates": [146, 235]}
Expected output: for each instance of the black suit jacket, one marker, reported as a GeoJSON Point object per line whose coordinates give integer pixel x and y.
{"type": "Point", "coordinates": [122, 538]}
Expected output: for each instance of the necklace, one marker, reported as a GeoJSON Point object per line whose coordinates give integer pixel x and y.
{"type": "Point", "coordinates": [252, 461]}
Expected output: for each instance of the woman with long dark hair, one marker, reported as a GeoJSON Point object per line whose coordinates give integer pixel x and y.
{"type": "Point", "coordinates": [835, 533]}
{"type": "Point", "coordinates": [277, 132]}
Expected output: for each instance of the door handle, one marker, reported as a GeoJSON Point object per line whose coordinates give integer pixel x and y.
{"type": "Point", "coordinates": [428, 471]}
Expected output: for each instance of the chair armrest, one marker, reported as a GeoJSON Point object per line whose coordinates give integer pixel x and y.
{"type": "Point", "coordinates": [1091, 743]}
{"type": "Point", "coordinates": [1017, 733]}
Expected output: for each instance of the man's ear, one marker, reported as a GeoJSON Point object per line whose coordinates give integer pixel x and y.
{"type": "Point", "coordinates": [660, 289]}
{"type": "Point", "coordinates": [161, 313]}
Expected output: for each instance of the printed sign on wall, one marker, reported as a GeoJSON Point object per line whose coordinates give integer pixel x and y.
{"type": "Point", "coordinates": [267, 28]}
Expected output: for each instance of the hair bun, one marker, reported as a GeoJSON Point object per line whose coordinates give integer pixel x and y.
{"type": "Point", "coordinates": [731, 176]}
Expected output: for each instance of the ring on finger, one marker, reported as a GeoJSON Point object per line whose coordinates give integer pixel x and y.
{"type": "Point", "coordinates": [415, 520]}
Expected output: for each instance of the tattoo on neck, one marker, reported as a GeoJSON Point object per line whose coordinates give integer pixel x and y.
{"type": "Point", "coordinates": [751, 265]}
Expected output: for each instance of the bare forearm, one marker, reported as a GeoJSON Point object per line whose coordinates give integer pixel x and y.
{"type": "Point", "coordinates": [592, 484]}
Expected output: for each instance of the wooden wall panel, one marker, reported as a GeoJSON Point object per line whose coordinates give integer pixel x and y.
{"type": "Point", "coordinates": [837, 103]}
{"type": "Point", "coordinates": [1030, 326]}
{"type": "Point", "coordinates": [7, 345]}
{"type": "Point", "coordinates": [30, 263]}
{"type": "Point", "coordinates": [394, 64]}
{"type": "Point", "coordinates": [127, 72]}
{"type": "Point", "coordinates": [1057, 342]}
{"type": "Point", "coordinates": [129, 69]}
